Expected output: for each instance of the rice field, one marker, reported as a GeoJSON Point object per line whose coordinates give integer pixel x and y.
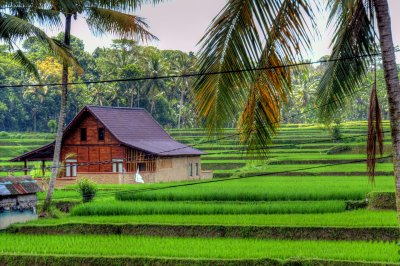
{"type": "Point", "coordinates": [115, 208]}
{"type": "Point", "coordinates": [196, 248]}
{"type": "Point", "coordinates": [348, 219]}
{"type": "Point", "coordinates": [268, 188]}
{"type": "Point", "coordinates": [307, 180]}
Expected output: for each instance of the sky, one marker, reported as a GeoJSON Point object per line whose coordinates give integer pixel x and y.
{"type": "Point", "coordinates": [180, 24]}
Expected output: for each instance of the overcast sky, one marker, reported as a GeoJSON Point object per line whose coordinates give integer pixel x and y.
{"type": "Point", "coordinates": [180, 24]}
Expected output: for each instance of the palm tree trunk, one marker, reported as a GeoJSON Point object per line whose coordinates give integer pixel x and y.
{"type": "Point", "coordinates": [180, 109]}
{"type": "Point", "coordinates": [61, 119]}
{"type": "Point", "coordinates": [392, 85]}
{"type": "Point", "coordinates": [132, 98]}
{"type": "Point", "coordinates": [138, 96]}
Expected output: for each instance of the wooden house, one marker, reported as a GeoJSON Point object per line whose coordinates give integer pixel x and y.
{"type": "Point", "coordinates": [109, 145]}
{"type": "Point", "coordinates": [18, 200]}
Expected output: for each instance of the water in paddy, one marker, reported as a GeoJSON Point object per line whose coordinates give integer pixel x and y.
{"type": "Point", "coordinates": [7, 218]}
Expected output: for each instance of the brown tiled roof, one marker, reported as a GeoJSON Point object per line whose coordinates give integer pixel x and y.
{"type": "Point", "coordinates": [136, 128]}
{"type": "Point", "coordinates": [10, 186]}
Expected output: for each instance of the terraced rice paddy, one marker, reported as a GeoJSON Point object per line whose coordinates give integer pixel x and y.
{"type": "Point", "coordinates": [310, 187]}
{"type": "Point", "coordinates": [196, 248]}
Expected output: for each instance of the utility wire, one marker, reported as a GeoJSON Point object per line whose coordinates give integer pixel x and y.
{"type": "Point", "coordinates": [191, 74]}
{"type": "Point", "coordinates": [278, 122]}
{"type": "Point", "coordinates": [231, 178]}
{"type": "Point", "coordinates": [13, 169]}
{"type": "Point", "coordinates": [224, 179]}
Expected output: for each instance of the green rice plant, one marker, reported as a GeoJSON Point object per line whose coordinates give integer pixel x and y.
{"type": "Point", "coordinates": [185, 208]}
{"type": "Point", "coordinates": [61, 194]}
{"type": "Point", "coordinates": [267, 188]}
{"type": "Point", "coordinates": [196, 248]}
{"type": "Point", "coordinates": [348, 219]}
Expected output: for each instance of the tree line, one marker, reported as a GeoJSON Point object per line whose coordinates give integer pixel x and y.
{"type": "Point", "coordinates": [170, 101]}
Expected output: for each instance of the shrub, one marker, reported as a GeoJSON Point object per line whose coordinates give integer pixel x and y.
{"type": "Point", "coordinates": [87, 189]}
{"type": "Point", "coordinates": [336, 132]}
{"type": "Point", "coordinates": [52, 125]}
{"type": "Point", "coordinates": [380, 200]}
{"type": "Point", "coordinates": [4, 134]}
{"type": "Point", "coordinates": [338, 149]}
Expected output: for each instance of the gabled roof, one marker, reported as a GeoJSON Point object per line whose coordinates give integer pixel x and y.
{"type": "Point", "coordinates": [136, 128]}
{"type": "Point", "coordinates": [10, 186]}
{"type": "Point", "coordinates": [133, 127]}
{"type": "Point", "coordinates": [43, 153]}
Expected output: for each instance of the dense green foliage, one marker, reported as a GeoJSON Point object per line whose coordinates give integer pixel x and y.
{"type": "Point", "coordinates": [35, 109]}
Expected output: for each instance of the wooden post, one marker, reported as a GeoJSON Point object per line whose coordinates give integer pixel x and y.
{"type": "Point", "coordinates": [43, 168]}
{"type": "Point", "coordinates": [25, 167]}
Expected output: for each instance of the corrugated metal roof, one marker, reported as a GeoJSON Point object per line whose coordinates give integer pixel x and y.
{"type": "Point", "coordinates": [18, 186]}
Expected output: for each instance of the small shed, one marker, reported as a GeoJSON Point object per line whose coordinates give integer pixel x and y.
{"type": "Point", "coordinates": [18, 200]}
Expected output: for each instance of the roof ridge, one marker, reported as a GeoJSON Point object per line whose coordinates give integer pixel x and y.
{"type": "Point", "coordinates": [116, 107]}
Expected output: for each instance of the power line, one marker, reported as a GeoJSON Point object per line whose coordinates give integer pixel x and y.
{"type": "Point", "coordinates": [234, 178]}
{"type": "Point", "coordinates": [278, 122]}
{"type": "Point", "coordinates": [225, 179]}
{"type": "Point", "coordinates": [231, 151]}
{"type": "Point", "coordinates": [191, 74]}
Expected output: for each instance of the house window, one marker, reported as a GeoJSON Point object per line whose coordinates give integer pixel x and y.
{"type": "Point", "coordinates": [142, 167]}
{"type": "Point", "coordinates": [196, 169]}
{"type": "Point", "coordinates": [83, 134]}
{"type": "Point", "coordinates": [101, 133]}
{"type": "Point", "coordinates": [190, 169]}
{"type": "Point", "coordinates": [70, 167]}
{"type": "Point", "coordinates": [117, 165]}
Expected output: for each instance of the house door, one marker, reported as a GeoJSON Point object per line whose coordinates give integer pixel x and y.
{"type": "Point", "coordinates": [70, 167]}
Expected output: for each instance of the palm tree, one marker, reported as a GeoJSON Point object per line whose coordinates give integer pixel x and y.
{"type": "Point", "coordinates": [182, 65]}
{"type": "Point", "coordinates": [101, 17]}
{"type": "Point", "coordinates": [17, 22]}
{"type": "Point", "coordinates": [259, 34]}
{"type": "Point", "coordinates": [155, 67]}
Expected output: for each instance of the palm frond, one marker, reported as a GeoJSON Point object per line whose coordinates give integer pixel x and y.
{"type": "Point", "coordinates": [354, 36]}
{"type": "Point", "coordinates": [101, 20]}
{"type": "Point", "coordinates": [268, 93]}
{"type": "Point", "coordinates": [231, 43]}
{"type": "Point", "coordinates": [250, 34]}
{"type": "Point", "coordinates": [14, 29]}
{"type": "Point", "coordinates": [44, 17]}
{"type": "Point", "coordinates": [122, 5]}
{"type": "Point", "coordinates": [21, 58]}
{"type": "Point", "coordinates": [375, 133]}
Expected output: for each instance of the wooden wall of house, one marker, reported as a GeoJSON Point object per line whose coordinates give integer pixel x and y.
{"type": "Point", "coordinates": [92, 150]}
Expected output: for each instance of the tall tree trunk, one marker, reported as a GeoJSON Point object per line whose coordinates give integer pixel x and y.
{"type": "Point", "coordinates": [132, 98]}
{"type": "Point", "coordinates": [138, 96]}
{"type": "Point", "coordinates": [61, 119]}
{"type": "Point", "coordinates": [393, 87]}
{"type": "Point", "coordinates": [180, 109]}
